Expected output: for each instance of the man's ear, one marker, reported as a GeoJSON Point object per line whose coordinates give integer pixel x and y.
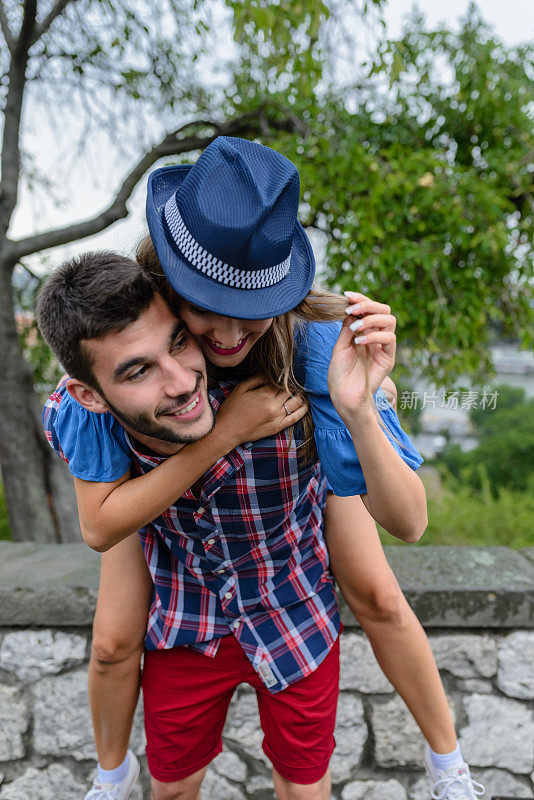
{"type": "Point", "coordinates": [86, 396]}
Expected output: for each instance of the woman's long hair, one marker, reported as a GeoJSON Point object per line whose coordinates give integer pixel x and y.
{"type": "Point", "coordinates": [273, 353]}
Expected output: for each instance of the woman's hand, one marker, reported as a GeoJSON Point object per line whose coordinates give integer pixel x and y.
{"type": "Point", "coordinates": [254, 410]}
{"type": "Point", "coordinates": [372, 325]}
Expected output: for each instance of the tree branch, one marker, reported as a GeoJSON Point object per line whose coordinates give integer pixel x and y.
{"type": "Point", "coordinates": [5, 28]}
{"type": "Point", "coordinates": [54, 12]}
{"type": "Point", "coordinates": [27, 28]}
{"type": "Point", "coordinates": [10, 155]}
{"type": "Point", "coordinates": [172, 144]}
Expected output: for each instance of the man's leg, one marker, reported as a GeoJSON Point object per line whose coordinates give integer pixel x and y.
{"type": "Point", "coordinates": [298, 724]}
{"type": "Point", "coordinates": [119, 629]}
{"type": "Point", "coordinates": [285, 790]}
{"type": "Point", "coordinates": [186, 695]}
{"type": "Point", "coordinates": [186, 789]}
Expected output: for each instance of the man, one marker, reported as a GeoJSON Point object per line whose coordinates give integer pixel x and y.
{"type": "Point", "coordinates": [241, 584]}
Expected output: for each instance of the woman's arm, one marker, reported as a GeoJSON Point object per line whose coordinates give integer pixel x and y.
{"type": "Point", "coordinates": [395, 494]}
{"type": "Point", "coordinates": [109, 512]}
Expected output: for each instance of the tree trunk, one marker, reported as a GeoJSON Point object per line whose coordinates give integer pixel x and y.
{"type": "Point", "coordinates": [30, 476]}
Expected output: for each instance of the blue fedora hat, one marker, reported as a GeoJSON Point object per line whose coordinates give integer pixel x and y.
{"type": "Point", "coordinates": [226, 231]}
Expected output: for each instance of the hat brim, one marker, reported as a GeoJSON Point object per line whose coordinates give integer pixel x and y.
{"type": "Point", "coordinates": [205, 292]}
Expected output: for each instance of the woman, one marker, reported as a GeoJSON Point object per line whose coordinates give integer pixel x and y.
{"type": "Point", "coordinates": [236, 330]}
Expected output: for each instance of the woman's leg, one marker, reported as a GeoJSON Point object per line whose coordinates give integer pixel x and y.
{"type": "Point", "coordinates": [118, 638]}
{"type": "Point", "coordinates": [396, 635]}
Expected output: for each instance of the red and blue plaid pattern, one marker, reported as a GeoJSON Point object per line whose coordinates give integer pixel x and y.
{"type": "Point", "coordinates": [247, 557]}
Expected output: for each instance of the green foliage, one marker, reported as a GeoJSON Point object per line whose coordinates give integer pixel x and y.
{"type": "Point", "coordinates": [504, 456]}
{"type": "Point", "coordinates": [279, 57]}
{"type": "Point", "coordinates": [424, 192]}
{"type": "Point", "coordinates": [418, 169]}
{"type": "Point", "coordinates": [46, 370]}
{"type": "Point", "coordinates": [4, 520]}
{"type": "Point", "coordinates": [507, 397]}
{"type": "Point", "coordinates": [462, 516]}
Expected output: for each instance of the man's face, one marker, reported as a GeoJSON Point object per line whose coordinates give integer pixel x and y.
{"type": "Point", "coordinates": [152, 377]}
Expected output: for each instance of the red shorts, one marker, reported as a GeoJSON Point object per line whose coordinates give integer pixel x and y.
{"type": "Point", "coordinates": [186, 696]}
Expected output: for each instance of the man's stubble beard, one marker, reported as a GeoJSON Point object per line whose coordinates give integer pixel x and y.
{"type": "Point", "coordinates": [142, 423]}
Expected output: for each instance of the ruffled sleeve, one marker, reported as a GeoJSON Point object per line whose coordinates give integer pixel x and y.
{"type": "Point", "coordinates": [93, 445]}
{"type": "Point", "coordinates": [334, 442]}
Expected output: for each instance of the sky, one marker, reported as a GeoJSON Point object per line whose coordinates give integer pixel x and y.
{"type": "Point", "coordinates": [93, 180]}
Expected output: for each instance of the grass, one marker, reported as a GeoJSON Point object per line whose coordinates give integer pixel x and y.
{"type": "Point", "coordinates": [462, 516]}
{"type": "Point", "coordinates": [4, 522]}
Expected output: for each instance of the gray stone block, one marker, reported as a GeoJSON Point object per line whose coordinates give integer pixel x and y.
{"type": "Point", "coordinates": [351, 735]}
{"type": "Point", "coordinates": [374, 790]}
{"type": "Point", "coordinates": [528, 552]}
{"type": "Point", "coordinates": [54, 783]}
{"type": "Point", "coordinates": [466, 587]}
{"type": "Point", "coordinates": [261, 785]}
{"type": "Point", "coordinates": [229, 765]}
{"type": "Point", "coordinates": [47, 584]}
{"type": "Point", "coordinates": [495, 781]}
{"type": "Point", "coordinates": [398, 740]}
{"type": "Point", "coordinates": [420, 789]}
{"type": "Point", "coordinates": [498, 782]}
{"type": "Point", "coordinates": [465, 655]}
{"type": "Point", "coordinates": [62, 720]}
{"type": "Point", "coordinates": [56, 585]}
{"type": "Point", "coordinates": [32, 654]}
{"type": "Point", "coordinates": [359, 667]}
{"type": "Point", "coordinates": [499, 733]}
{"type": "Point", "coordinates": [243, 725]}
{"type": "Point", "coordinates": [215, 786]}
{"type": "Point", "coordinates": [475, 686]}
{"type": "Point", "coordinates": [516, 665]}
{"type": "Point", "coordinates": [13, 723]}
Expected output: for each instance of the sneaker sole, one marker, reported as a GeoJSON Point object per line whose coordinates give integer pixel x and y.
{"type": "Point", "coordinates": [133, 781]}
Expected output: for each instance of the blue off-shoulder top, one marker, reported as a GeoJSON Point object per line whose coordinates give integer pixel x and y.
{"type": "Point", "coordinates": [334, 442]}
{"type": "Point", "coordinates": [95, 446]}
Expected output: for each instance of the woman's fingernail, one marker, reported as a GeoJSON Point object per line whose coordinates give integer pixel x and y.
{"type": "Point", "coordinates": [348, 294]}
{"type": "Point", "coordinates": [356, 325]}
{"type": "Point", "coordinates": [352, 309]}
{"type": "Point", "coordinates": [359, 339]}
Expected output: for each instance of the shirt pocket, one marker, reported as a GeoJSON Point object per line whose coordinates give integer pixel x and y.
{"type": "Point", "coordinates": [292, 585]}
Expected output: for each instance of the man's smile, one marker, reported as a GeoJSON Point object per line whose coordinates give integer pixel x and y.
{"type": "Point", "coordinates": [191, 410]}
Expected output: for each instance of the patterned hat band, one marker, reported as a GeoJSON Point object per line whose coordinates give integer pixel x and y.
{"type": "Point", "coordinates": [212, 266]}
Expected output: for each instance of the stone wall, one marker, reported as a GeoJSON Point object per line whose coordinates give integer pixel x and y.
{"type": "Point", "coordinates": [476, 603]}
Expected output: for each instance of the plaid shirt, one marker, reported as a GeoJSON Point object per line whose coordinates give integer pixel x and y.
{"type": "Point", "coordinates": [247, 557]}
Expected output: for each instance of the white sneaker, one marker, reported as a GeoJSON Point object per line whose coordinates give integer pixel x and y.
{"type": "Point", "coordinates": [455, 783]}
{"type": "Point", "coordinates": [116, 791]}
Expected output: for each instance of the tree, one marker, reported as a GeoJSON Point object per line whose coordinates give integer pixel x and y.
{"type": "Point", "coordinates": [417, 167]}
{"type": "Point", "coordinates": [116, 61]}
{"type": "Point", "coordinates": [424, 188]}
{"type": "Point", "coordinates": [505, 449]}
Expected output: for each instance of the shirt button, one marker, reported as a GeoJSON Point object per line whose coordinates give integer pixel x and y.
{"type": "Point", "coordinates": [235, 624]}
{"type": "Point", "coordinates": [201, 510]}
{"type": "Point", "coordinates": [219, 571]}
{"type": "Point", "coordinates": [211, 541]}
{"type": "Point", "coordinates": [228, 595]}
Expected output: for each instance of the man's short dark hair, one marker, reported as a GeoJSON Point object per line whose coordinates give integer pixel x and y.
{"type": "Point", "coordinates": [88, 297]}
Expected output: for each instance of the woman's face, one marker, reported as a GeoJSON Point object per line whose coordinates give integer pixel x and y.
{"type": "Point", "coordinates": [224, 341]}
